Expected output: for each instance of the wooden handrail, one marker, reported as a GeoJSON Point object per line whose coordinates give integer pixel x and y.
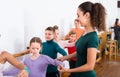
{"type": "Point", "coordinates": [21, 54]}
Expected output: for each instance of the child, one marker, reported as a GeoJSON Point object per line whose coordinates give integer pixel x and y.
{"type": "Point", "coordinates": [61, 43]}
{"type": "Point", "coordinates": [72, 62]}
{"type": "Point", "coordinates": [51, 49]}
{"type": "Point", "coordinates": [78, 30]}
{"type": "Point", "coordinates": [37, 63]}
{"type": "Point", "coordinates": [5, 56]}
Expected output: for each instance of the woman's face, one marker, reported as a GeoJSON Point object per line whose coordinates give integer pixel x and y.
{"type": "Point", "coordinates": [81, 17]}
{"type": "Point", "coordinates": [49, 35]}
{"type": "Point", "coordinates": [35, 48]}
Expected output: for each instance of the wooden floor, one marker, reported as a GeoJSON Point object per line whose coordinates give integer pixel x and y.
{"type": "Point", "coordinates": [108, 68]}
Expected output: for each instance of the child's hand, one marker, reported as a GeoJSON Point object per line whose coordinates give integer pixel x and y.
{"type": "Point", "coordinates": [61, 58]}
{"type": "Point", "coordinates": [62, 69]}
{"type": "Point", "coordinates": [27, 51]}
{"type": "Point", "coordinates": [23, 73]}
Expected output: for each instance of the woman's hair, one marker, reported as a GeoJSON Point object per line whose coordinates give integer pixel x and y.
{"type": "Point", "coordinates": [116, 21]}
{"type": "Point", "coordinates": [55, 27]}
{"type": "Point", "coordinates": [36, 40]}
{"type": "Point", "coordinates": [97, 14]}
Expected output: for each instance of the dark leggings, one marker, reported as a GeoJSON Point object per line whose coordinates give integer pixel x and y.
{"type": "Point", "coordinates": [72, 65]}
{"type": "Point", "coordinates": [53, 74]}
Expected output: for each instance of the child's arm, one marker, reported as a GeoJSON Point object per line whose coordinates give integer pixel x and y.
{"type": "Point", "coordinates": [60, 50]}
{"type": "Point", "coordinates": [54, 62]}
{"type": "Point", "coordinates": [67, 44]}
{"type": "Point", "coordinates": [11, 72]}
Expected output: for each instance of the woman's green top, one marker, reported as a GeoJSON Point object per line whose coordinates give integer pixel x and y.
{"type": "Point", "coordinates": [90, 40]}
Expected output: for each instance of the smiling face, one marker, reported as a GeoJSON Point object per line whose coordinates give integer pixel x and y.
{"type": "Point", "coordinates": [49, 35]}
{"type": "Point", "coordinates": [84, 18]}
{"type": "Point", "coordinates": [81, 17]}
{"type": "Point", "coordinates": [72, 37]}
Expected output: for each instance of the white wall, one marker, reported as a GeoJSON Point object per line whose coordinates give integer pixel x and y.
{"type": "Point", "coordinates": [118, 13]}
{"type": "Point", "coordinates": [111, 9]}
{"type": "Point", "coordinates": [11, 26]}
{"type": "Point", "coordinates": [41, 14]}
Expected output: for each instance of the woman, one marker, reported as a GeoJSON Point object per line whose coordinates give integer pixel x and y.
{"type": "Point", "coordinates": [117, 32]}
{"type": "Point", "coordinates": [91, 16]}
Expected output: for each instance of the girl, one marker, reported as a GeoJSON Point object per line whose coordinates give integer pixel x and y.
{"type": "Point", "coordinates": [91, 16]}
{"type": "Point", "coordinates": [61, 43]}
{"type": "Point", "coordinates": [72, 49]}
{"type": "Point", "coordinates": [37, 63]}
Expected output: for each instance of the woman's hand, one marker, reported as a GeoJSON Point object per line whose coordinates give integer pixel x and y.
{"type": "Point", "coordinates": [23, 73]}
{"type": "Point", "coordinates": [61, 58]}
{"type": "Point", "coordinates": [62, 69]}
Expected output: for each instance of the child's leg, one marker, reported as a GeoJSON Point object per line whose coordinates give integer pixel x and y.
{"type": "Point", "coordinates": [5, 56]}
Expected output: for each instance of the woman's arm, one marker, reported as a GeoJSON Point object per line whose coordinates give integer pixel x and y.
{"type": "Point", "coordinates": [91, 59]}
{"type": "Point", "coordinates": [67, 57]}
{"type": "Point", "coordinates": [66, 37]}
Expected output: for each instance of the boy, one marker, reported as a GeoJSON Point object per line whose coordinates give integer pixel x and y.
{"type": "Point", "coordinates": [51, 48]}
